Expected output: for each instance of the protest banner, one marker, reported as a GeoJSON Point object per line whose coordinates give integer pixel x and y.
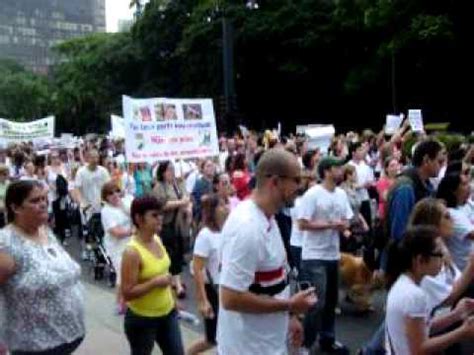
{"type": "Point", "coordinates": [160, 129]}
{"type": "Point", "coordinates": [416, 120]}
{"type": "Point", "coordinates": [117, 124]}
{"type": "Point", "coordinates": [319, 136]}
{"type": "Point", "coordinates": [392, 123]}
{"type": "Point", "coordinates": [37, 131]}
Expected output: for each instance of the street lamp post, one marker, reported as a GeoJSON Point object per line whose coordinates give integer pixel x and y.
{"type": "Point", "coordinates": [230, 97]}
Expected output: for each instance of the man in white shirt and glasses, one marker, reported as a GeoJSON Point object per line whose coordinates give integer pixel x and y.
{"type": "Point", "coordinates": [255, 302]}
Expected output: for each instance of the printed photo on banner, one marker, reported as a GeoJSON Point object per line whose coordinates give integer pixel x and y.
{"type": "Point", "coordinates": [192, 111]}
{"type": "Point", "coordinates": [170, 112]}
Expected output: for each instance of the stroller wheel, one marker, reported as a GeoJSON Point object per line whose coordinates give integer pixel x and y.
{"type": "Point", "coordinates": [98, 272]}
{"type": "Point", "coordinates": [112, 279]}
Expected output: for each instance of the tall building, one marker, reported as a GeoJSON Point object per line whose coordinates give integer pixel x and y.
{"type": "Point", "coordinates": [29, 28]}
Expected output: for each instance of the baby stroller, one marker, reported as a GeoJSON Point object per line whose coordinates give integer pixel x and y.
{"type": "Point", "coordinates": [93, 235]}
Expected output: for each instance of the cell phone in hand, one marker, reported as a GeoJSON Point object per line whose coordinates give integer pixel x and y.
{"type": "Point", "coordinates": [304, 285]}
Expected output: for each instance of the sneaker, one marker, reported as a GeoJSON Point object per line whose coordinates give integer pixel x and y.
{"type": "Point", "coordinates": [333, 347]}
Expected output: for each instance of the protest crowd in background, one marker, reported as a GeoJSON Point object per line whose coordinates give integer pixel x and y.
{"type": "Point", "coordinates": [272, 225]}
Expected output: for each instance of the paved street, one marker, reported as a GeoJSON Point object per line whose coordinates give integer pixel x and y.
{"type": "Point", "coordinates": [105, 329]}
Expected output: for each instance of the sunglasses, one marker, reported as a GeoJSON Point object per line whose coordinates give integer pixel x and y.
{"type": "Point", "coordinates": [296, 179]}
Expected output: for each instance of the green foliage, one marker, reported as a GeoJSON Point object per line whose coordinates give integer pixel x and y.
{"type": "Point", "coordinates": [94, 72]}
{"type": "Point", "coordinates": [23, 95]}
{"type": "Point", "coordinates": [307, 61]}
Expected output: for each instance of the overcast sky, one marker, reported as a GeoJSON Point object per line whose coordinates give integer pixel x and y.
{"type": "Point", "coordinates": [115, 10]}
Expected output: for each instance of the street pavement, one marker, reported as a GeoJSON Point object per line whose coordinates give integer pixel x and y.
{"type": "Point", "coordinates": [105, 329]}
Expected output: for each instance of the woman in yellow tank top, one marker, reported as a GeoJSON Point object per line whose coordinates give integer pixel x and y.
{"type": "Point", "coordinates": [146, 285]}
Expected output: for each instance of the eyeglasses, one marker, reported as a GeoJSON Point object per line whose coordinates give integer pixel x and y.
{"type": "Point", "coordinates": [117, 191]}
{"type": "Point", "coordinates": [296, 179]}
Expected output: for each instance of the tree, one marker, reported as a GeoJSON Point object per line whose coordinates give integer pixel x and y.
{"type": "Point", "coordinates": [23, 94]}
{"type": "Point", "coordinates": [94, 73]}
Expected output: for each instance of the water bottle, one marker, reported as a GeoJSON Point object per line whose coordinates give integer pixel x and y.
{"type": "Point", "coordinates": [188, 317]}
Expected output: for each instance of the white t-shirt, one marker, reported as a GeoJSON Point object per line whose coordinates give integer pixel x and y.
{"type": "Point", "coordinates": [439, 287]}
{"type": "Point", "coordinates": [112, 217]}
{"type": "Point", "coordinates": [207, 246]}
{"type": "Point", "coordinates": [252, 253]}
{"type": "Point", "coordinates": [405, 300]}
{"type": "Point", "coordinates": [458, 245]}
{"type": "Point", "coordinates": [320, 204]}
{"type": "Point", "coordinates": [90, 183]}
{"type": "Point", "coordinates": [365, 174]}
{"type": "Point", "coordinates": [296, 239]}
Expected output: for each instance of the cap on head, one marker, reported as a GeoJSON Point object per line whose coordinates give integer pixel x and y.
{"type": "Point", "coordinates": [327, 163]}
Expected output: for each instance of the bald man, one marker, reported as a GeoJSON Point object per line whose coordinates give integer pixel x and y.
{"type": "Point", "coordinates": [255, 301]}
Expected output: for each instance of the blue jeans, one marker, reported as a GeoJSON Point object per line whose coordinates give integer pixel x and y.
{"type": "Point", "coordinates": [324, 276]}
{"type": "Point", "coordinates": [143, 332]}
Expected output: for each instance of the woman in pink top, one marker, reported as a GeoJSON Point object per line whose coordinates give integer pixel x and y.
{"type": "Point", "coordinates": [391, 168]}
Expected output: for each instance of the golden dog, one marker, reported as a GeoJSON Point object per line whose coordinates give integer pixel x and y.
{"type": "Point", "coordinates": [359, 280]}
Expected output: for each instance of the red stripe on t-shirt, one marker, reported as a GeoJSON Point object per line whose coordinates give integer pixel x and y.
{"type": "Point", "coordinates": [267, 276]}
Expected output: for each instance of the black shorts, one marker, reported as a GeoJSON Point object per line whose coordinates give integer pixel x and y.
{"type": "Point", "coordinates": [210, 325]}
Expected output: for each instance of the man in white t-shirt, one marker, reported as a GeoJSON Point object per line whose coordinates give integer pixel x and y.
{"type": "Point", "coordinates": [254, 292]}
{"type": "Point", "coordinates": [87, 193]}
{"type": "Point", "coordinates": [324, 213]}
{"type": "Point", "coordinates": [365, 178]}
{"type": "Point", "coordinates": [89, 182]}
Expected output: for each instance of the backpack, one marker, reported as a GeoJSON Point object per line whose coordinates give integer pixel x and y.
{"type": "Point", "coordinates": [62, 186]}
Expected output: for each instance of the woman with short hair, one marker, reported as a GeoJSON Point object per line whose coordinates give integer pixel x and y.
{"type": "Point", "coordinates": [146, 284]}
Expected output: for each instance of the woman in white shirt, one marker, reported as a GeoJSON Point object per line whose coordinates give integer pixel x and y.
{"type": "Point", "coordinates": [205, 268]}
{"type": "Point", "coordinates": [115, 217]}
{"type": "Point", "coordinates": [408, 322]}
{"type": "Point", "coordinates": [455, 190]}
{"type": "Point", "coordinates": [446, 288]}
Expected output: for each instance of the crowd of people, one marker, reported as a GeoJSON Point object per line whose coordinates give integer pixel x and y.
{"type": "Point", "coordinates": [263, 225]}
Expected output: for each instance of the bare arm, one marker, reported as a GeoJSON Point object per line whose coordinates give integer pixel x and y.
{"type": "Point", "coordinates": [462, 283]}
{"type": "Point", "coordinates": [7, 267]}
{"type": "Point", "coordinates": [420, 344]}
{"type": "Point", "coordinates": [307, 225]}
{"type": "Point", "coordinates": [247, 302]}
{"type": "Point", "coordinates": [173, 205]}
{"type": "Point", "coordinates": [199, 264]}
{"type": "Point", "coordinates": [120, 232]}
{"type": "Point", "coordinates": [131, 288]}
